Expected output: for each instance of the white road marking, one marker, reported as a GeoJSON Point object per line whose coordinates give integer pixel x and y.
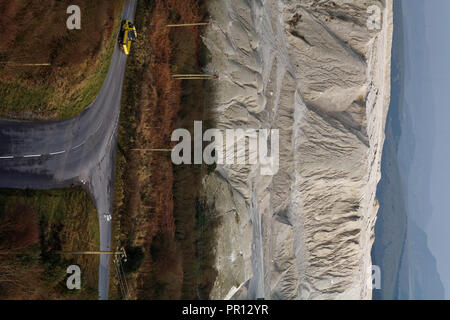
{"type": "Point", "coordinates": [33, 156]}
{"type": "Point", "coordinates": [76, 147]}
{"type": "Point", "coordinates": [40, 155]}
{"type": "Point", "coordinates": [56, 153]}
{"type": "Point", "coordinates": [107, 217]}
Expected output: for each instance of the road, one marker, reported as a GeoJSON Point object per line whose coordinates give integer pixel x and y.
{"type": "Point", "coordinates": [77, 151]}
{"type": "Point", "coordinates": [256, 288]}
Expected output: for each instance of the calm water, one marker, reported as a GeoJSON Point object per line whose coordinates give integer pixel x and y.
{"type": "Point", "coordinates": [412, 229]}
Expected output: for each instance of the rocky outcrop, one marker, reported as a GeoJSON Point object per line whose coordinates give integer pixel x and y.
{"type": "Point", "coordinates": [316, 72]}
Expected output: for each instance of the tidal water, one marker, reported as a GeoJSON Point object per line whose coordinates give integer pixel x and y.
{"type": "Point", "coordinates": [410, 233]}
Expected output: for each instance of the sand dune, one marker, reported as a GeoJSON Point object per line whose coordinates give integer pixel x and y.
{"type": "Point", "coordinates": [313, 70]}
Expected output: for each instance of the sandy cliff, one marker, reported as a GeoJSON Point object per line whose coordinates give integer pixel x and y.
{"type": "Point", "coordinates": [314, 71]}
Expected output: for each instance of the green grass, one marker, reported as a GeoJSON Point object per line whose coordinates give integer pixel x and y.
{"type": "Point", "coordinates": [67, 218]}
{"type": "Point", "coordinates": [14, 96]}
{"type": "Point", "coordinates": [30, 97]}
{"type": "Point", "coordinates": [94, 83]}
{"type": "Point", "coordinates": [67, 221]}
{"type": "Point", "coordinates": [55, 207]}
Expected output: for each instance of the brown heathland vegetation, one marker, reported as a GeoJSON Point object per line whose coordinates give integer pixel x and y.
{"type": "Point", "coordinates": [156, 201]}
{"type": "Point", "coordinates": [35, 31]}
{"type": "Point", "coordinates": [37, 223]}
{"type": "Point", "coordinates": [33, 225]}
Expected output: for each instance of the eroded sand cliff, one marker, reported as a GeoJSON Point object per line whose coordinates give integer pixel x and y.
{"type": "Point", "coordinates": [313, 70]}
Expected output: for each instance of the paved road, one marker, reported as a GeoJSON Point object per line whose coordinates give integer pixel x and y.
{"type": "Point", "coordinates": [76, 151]}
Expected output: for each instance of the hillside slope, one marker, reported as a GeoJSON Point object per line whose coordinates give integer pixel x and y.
{"type": "Point", "coordinates": [316, 72]}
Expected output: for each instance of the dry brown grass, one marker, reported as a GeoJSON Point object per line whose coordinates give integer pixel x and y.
{"type": "Point", "coordinates": [36, 32]}
{"type": "Point", "coordinates": [37, 224]}
{"type": "Point", "coordinates": [158, 209]}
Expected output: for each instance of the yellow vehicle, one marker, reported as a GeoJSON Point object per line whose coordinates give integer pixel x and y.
{"type": "Point", "coordinates": [127, 35]}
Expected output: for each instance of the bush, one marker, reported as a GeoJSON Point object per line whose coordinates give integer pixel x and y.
{"type": "Point", "coordinates": [135, 256]}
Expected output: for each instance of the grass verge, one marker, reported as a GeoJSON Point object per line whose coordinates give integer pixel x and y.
{"type": "Point", "coordinates": [37, 224]}
{"type": "Point", "coordinates": [157, 202]}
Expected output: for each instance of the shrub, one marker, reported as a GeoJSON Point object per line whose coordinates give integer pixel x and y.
{"type": "Point", "coordinates": [135, 256]}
